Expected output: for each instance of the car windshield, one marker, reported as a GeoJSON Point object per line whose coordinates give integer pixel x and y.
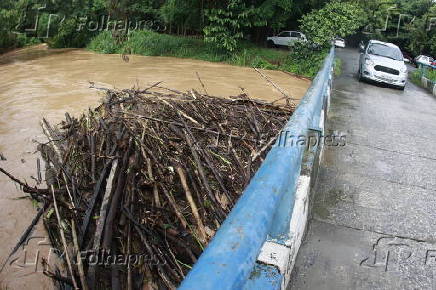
{"type": "Point", "coordinates": [385, 51]}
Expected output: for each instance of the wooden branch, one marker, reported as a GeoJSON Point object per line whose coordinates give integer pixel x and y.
{"type": "Point", "coordinates": [201, 230]}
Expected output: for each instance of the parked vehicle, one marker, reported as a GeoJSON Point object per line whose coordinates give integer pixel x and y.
{"type": "Point", "coordinates": [423, 59]}
{"type": "Point", "coordinates": [382, 62]}
{"type": "Point", "coordinates": [407, 57]}
{"type": "Point", "coordinates": [285, 38]}
{"type": "Point", "coordinates": [339, 42]}
{"type": "Point", "coordinates": [433, 63]}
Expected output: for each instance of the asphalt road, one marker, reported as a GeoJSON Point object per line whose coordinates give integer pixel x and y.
{"type": "Point", "coordinates": [373, 222]}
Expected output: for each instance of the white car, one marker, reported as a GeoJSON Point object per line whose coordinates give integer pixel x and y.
{"type": "Point", "coordinates": [339, 42]}
{"type": "Point", "coordinates": [423, 59]}
{"type": "Point", "coordinates": [285, 38]}
{"type": "Point", "coordinates": [382, 62]}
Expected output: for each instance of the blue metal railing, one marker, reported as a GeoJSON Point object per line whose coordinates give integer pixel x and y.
{"type": "Point", "coordinates": [425, 69]}
{"type": "Point", "coordinates": [230, 257]}
{"type": "Point", "coordinates": [426, 80]}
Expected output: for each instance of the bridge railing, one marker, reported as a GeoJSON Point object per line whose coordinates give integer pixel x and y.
{"type": "Point", "coordinates": [231, 256]}
{"type": "Point", "coordinates": [427, 74]}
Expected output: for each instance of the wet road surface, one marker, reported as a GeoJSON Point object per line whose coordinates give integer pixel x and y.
{"type": "Point", "coordinates": [373, 220]}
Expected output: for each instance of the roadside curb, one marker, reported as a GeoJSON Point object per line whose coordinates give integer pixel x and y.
{"type": "Point", "coordinates": [429, 85]}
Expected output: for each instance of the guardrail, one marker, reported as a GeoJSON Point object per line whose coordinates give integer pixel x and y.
{"type": "Point", "coordinates": [264, 210]}
{"type": "Point", "coordinates": [425, 81]}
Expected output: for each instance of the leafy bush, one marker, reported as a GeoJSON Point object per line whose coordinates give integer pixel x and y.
{"type": "Point", "coordinates": [8, 19]}
{"type": "Point", "coordinates": [415, 77]}
{"type": "Point", "coordinates": [23, 40]}
{"type": "Point", "coordinates": [104, 43]}
{"type": "Point", "coordinates": [68, 36]}
{"type": "Point", "coordinates": [305, 59]}
{"type": "Point", "coordinates": [431, 74]}
{"type": "Point", "coordinates": [181, 14]}
{"type": "Point", "coordinates": [334, 19]}
{"type": "Point", "coordinates": [226, 26]}
{"type": "Point", "coordinates": [152, 43]}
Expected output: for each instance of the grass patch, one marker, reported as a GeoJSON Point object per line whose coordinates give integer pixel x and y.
{"type": "Point", "coordinates": [150, 43]}
{"type": "Point", "coordinates": [431, 74]}
{"type": "Point", "coordinates": [307, 66]}
{"type": "Point", "coordinates": [416, 75]}
{"type": "Point", "coordinates": [11, 42]}
{"type": "Point", "coordinates": [337, 67]}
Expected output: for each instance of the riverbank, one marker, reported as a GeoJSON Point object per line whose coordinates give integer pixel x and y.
{"type": "Point", "coordinates": [150, 43]}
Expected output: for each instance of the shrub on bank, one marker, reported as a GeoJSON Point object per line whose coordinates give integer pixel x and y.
{"type": "Point", "coordinates": [431, 74]}
{"type": "Point", "coordinates": [305, 59]}
{"type": "Point", "coordinates": [104, 43]}
{"type": "Point", "coordinates": [416, 75]}
{"type": "Point", "coordinates": [156, 44]}
{"type": "Point", "coordinates": [68, 36]}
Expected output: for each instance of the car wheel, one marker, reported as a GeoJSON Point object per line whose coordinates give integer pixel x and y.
{"type": "Point", "coordinates": [270, 44]}
{"type": "Point", "coordinates": [401, 88]}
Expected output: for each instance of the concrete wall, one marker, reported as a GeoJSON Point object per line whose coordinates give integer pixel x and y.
{"type": "Point", "coordinates": [429, 85]}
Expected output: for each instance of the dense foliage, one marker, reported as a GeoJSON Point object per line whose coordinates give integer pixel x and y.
{"type": "Point", "coordinates": [411, 24]}
{"type": "Point", "coordinates": [220, 29]}
{"type": "Point", "coordinates": [334, 19]}
{"type": "Point", "coordinates": [226, 25]}
{"type": "Point", "coordinates": [221, 22]}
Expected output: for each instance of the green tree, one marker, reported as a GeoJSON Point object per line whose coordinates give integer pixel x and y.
{"type": "Point", "coordinates": [226, 25]}
{"type": "Point", "coordinates": [402, 22]}
{"type": "Point", "coordinates": [182, 15]}
{"type": "Point", "coordinates": [422, 37]}
{"type": "Point", "coordinates": [275, 13]}
{"type": "Point", "coordinates": [334, 19]}
{"type": "Point", "coordinates": [8, 21]}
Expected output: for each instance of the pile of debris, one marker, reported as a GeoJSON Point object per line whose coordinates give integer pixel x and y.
{"type": "Point", "coordinates": [137, 187]}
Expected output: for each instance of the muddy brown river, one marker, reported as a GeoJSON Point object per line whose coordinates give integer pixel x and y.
{"type": "Point", "coordinates": [39, 82]}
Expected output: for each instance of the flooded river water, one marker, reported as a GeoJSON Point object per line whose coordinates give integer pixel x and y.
{"type": "Point", "coordinates": [38, 82]}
